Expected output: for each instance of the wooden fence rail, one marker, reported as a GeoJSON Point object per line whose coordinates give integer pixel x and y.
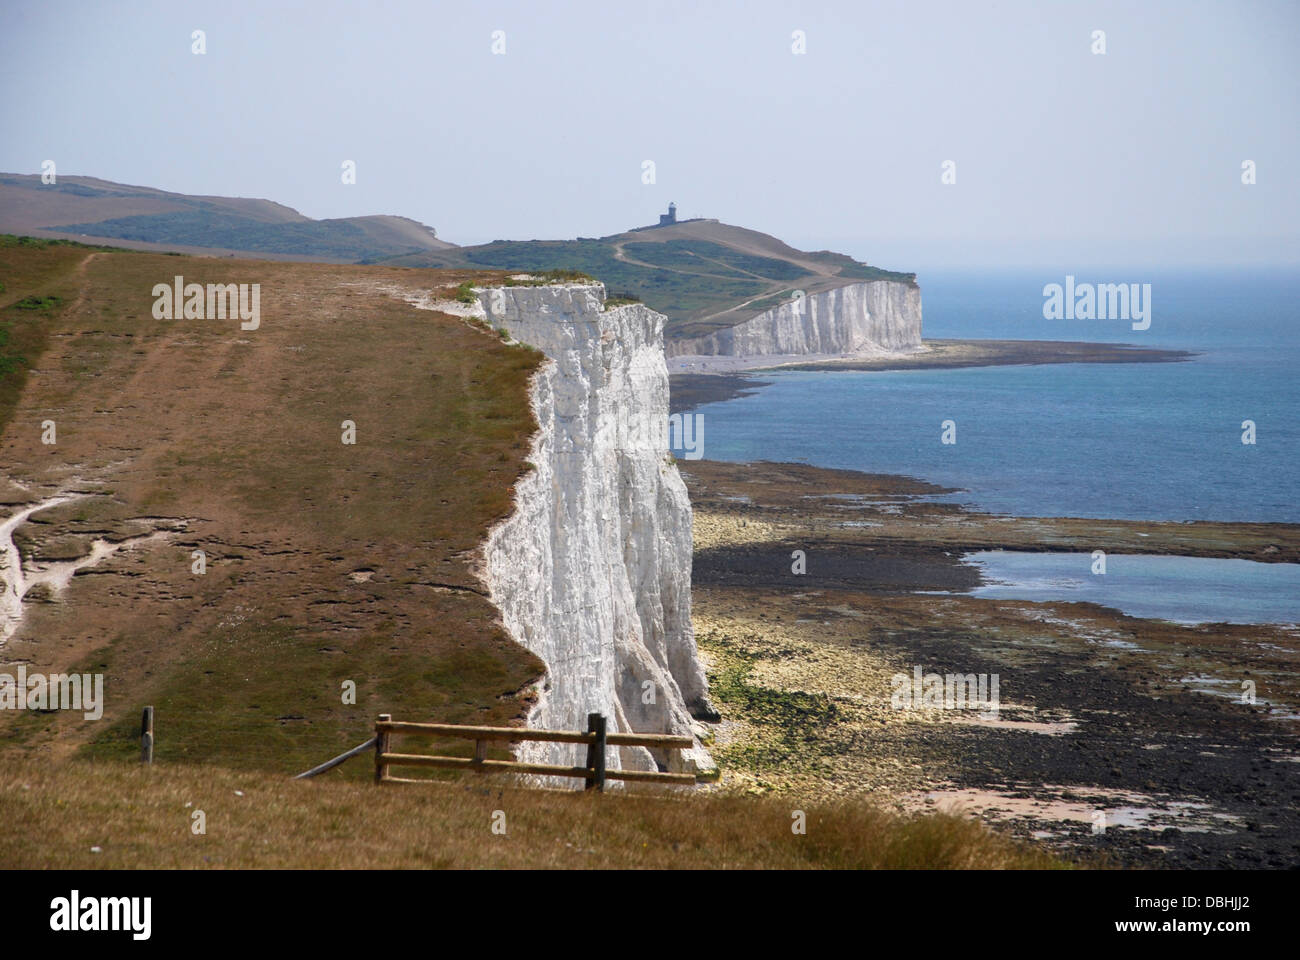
{"type": "Point", "coordinates": [331, 764]}
{"type": "Point", "coordinates": [595, 737]}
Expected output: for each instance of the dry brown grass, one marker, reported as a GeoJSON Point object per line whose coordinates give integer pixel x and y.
{"type": "Point", "coordinates": [238, 434]}
{"type": "Point", "coordinates": [140, 817]}
{"type": "Point", "coordinates": [30, 272]}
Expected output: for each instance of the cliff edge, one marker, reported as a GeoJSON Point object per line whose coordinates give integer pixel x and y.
{"type": "Point", "coordinates": [871, 319]}
{"type": "Point", "coordinates": [592, 570]}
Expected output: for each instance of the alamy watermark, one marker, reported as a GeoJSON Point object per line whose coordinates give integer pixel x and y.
{"type": "Point", "coordinates": [75, 913]}
{"type": "Point", "coordinates": [1099, 301]}
{"type": "Point", "coordinates": [681, 434]}
{"type": "Point", "coordinates": [218, 301]}
{"type": "Point", "coordinates": [945, 691]}
{"type": "Point", "coordinates": [686, 433]}
{"type": "Point", "coordinates": [58, 691]}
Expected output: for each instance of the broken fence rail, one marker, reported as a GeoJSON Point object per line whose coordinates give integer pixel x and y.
{"type": "Point", "coordinates": [331, 764]}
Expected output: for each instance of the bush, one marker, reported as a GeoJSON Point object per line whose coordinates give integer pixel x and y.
{"type": "Point", "coordinates": [568, 276]}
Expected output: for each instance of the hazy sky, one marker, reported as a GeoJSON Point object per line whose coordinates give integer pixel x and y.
{"type": "Point", "coordinates": [1063, 157]}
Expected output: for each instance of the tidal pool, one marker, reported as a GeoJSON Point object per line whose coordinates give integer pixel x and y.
{"type": "Point", "coordinates": [1180, 589]}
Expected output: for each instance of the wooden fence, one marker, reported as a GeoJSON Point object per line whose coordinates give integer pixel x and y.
{"type": "Point", "coordinates": [595, 737]}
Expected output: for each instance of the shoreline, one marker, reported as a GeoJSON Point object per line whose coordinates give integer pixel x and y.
{"type": "Point", "coordinates": [700, 380]}
{"type": "Point", "coordinates": [1102, 714]}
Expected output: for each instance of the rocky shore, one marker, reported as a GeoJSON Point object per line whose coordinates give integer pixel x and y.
{"type": "Point", "coordinates": [700, 380]}
{"type": "Point", "coordinates": [1117, 740]}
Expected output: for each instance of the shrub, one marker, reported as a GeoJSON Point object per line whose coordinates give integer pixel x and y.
{"type": "Point", "coordinates": [571, 276]}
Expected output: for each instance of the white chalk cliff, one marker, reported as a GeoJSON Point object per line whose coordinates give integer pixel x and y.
{"type": "Point", "coordinates": [871, 318]}
{"type": "Point", "coordinates": [592, 572]}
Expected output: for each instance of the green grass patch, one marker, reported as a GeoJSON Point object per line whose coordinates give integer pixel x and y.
{"type": "Point", "coordinates": [39, 274]}
{"type": "Point", "coordinates": [264, 696]}
{"type": "Point", "coordinates": [767, 303]}
{"type": "Point", "coordinates": [39, 303]}
{"type": "Point", "coordinates": [798, 724]}
{"type": "Point", "coordinates": [9, 362]}
{"type": "Point", "coordinates": [203, 225]}
{"type": "Point", "coordinates": [10, 240]}
{"type": "Point", "coordinates": [704, 256]}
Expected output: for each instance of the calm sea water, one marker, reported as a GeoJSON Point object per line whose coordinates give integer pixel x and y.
{"type": "Point", "coordinates": [1183, 589]}
{"type": "Point", "coordinates": [1137, 441]}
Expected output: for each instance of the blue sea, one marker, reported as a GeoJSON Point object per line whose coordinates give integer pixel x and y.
{"type": "Point", "coordinates": [1156, 441]}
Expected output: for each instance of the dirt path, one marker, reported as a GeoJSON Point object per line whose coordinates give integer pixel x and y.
{"type": "Point", "coordinates": [772, 287]}
{"type": "Point", "coordinates": [17, 580]}
{"type": "Point", "coordinates": [80, 274]}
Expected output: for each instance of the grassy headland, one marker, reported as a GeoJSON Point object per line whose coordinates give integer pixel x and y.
{"type": "Point", "coordinates": [326, 562]}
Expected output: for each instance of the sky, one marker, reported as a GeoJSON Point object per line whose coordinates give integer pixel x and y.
{"type": "Point", "coordinates": [1062, 156]}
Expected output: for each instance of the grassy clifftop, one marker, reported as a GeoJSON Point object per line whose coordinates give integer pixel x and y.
{"type": "Point", "coordinates": [326, 562]}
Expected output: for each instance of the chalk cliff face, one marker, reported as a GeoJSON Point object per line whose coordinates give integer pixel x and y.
{"type": "Point", "coordinates": [592, 572]}
{"type": "Point", "coordinates": [867, 319]}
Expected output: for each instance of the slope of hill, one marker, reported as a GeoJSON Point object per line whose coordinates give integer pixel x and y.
{"type": "Point", "coordinates": [323, 562]}
{"type": "Point", "coordinates": [78, 208]}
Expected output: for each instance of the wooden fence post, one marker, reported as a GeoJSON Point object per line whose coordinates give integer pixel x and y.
{"type": "Point", "coordinates": [381, 748]}
{"type": "Point", "coordinates": [146, 736]}
{"type": "Point", "coordinates": [593, 773]}
{"type": "Point", "coordinates": [596, 752]}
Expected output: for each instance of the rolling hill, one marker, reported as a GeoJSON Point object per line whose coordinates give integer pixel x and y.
{"type": "Point", "coordinates": [702, 274]}
{"type": "Point", "coordinates": [82, 208]}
